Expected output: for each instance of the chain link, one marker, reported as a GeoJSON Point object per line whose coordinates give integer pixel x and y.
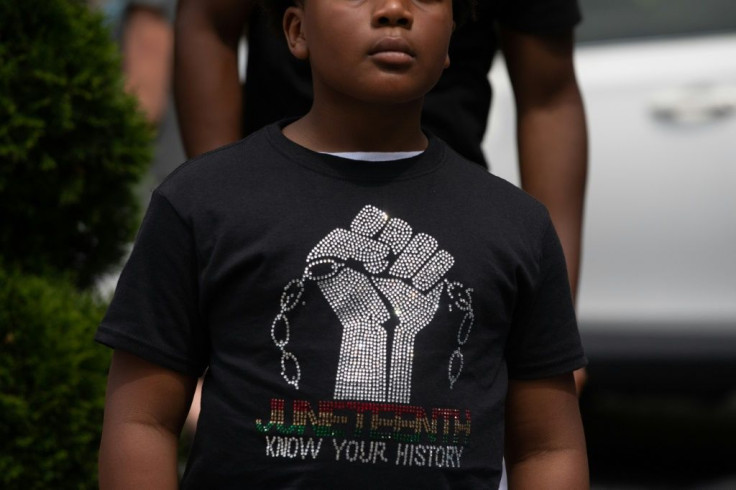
{"type": "Point", "coordinates": [289, 299]}
{"type": "Point", "coordinates": [459, 296]}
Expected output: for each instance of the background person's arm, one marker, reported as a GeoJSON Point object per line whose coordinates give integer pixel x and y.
{"type": "Point", "coordinates": [551, 131]}
{"type": "Point", "coordinates": [552, 136]}
{"type": "Point", "coordinates": [145, 408]}
{"type": "Point", "coordinates": [148, 46]}
{"type": "Point", "coordinates": [545, 444]}
{"type": "Point", "coordinates": [206, 84]}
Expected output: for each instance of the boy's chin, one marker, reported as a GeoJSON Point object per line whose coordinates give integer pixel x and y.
{"type": "Point", "coordinates": [395, 99]}
{"type": "Point", "coordinates": [395, 95]}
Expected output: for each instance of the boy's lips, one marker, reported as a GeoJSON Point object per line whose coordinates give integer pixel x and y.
{"type": "Point", "coordinates": [392, 50]}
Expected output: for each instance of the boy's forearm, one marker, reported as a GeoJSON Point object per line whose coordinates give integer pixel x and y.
{"type": "Point", "coordinates": [545, 443]}
{"type": "Point", "coordinates": [553, 470]}
{"type": "Point", "coordinates": [138, 455]}
{"type": "Point", "coordinates": [145, 408]}
{"type": "Point", "coordinates": [206, 84]}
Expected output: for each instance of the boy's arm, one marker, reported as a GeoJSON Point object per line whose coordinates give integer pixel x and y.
{"type": "Point", "coordinates": [145, 408]}
{"type": "Point", "coordinates": [551, 131]}
{"type": "Point", "coordinates": [545, 445]}
{"type": "Point", "coordinates": [206, 84]}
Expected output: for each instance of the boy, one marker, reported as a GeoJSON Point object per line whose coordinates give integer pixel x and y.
{"type": "Point", "coordinates": [357, 319]}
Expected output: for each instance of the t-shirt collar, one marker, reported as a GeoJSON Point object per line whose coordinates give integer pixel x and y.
{"type": "Point", "coordinates": [359, 170]}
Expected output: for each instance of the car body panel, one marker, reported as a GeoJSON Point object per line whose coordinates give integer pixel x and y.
{"type": "Point", "coordinates": [660, 224]}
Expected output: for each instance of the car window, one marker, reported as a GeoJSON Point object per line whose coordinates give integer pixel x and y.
{"type": "Point", "coordinates": [605, 20]}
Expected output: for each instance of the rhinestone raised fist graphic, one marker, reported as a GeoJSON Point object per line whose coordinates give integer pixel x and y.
{"type": "Point", "coordinates": [373, 272]}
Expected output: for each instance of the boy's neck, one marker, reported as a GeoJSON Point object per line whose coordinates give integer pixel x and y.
{"type": "Point", "coordinates": [347, 126]}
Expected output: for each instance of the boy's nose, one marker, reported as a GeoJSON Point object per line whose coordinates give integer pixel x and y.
{"type": "Point", "coordinates": [393, 13]}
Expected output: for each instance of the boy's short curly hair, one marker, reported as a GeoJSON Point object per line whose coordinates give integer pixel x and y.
{"type": "Point", "coordinates": [462, 10]}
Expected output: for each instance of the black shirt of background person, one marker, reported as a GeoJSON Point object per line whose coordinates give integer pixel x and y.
{"type": "Point", "coordinates": [278, 85]}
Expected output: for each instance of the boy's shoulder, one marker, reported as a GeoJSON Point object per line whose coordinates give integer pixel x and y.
{"type": "Point", "coordinates": [474, 182]}
{"type": "Point", "coordinates": [226, 158]}
{"type": "Point", "coordinates": [232, 166]}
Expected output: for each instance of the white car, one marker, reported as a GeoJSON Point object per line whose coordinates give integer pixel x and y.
{"type": "Point", "coordinates": [658, 283]}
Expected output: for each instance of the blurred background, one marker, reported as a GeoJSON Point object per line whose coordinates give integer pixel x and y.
{"type": "Point", "coordinates": [657, 298]}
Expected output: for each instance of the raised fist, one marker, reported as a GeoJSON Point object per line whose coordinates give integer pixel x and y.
{"type": "Point", "coordinates": [375, 270]}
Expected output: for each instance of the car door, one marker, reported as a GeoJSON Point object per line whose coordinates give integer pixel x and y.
{"type": "Point", "coordinates": [659, 82]}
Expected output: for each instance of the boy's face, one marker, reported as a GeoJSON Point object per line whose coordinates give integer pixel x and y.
{"type": "Point", "coordinates": [381, 51]}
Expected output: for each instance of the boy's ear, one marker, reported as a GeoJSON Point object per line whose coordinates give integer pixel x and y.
{"type": "Point", "coordinates": [294, 31]}
{"type": "Point", "coordinates": [447, 56]}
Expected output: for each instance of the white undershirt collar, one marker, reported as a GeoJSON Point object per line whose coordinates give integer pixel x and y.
{"type": "Point", "coordinates": [374, 156]}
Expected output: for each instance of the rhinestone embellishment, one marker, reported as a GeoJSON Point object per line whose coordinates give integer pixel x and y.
{"type": "Point", "coordinates": [376, 270]}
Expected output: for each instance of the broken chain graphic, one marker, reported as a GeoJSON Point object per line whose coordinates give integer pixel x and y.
{"type": "Point", "coordinates": [375, 270]}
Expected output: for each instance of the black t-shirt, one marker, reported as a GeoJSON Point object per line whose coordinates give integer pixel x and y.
{"type": "Point", "coordinates": [356, 320]}
{"type": "Point", "coordinates": [278, 85]}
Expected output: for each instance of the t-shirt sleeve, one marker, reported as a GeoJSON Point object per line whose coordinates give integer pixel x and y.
{"type": "Point", "coordinates": [154, 313]}
{"type": "Point", "coordinates": [544, 339]}
{"type": "Point", "coordinates": [540, 16]}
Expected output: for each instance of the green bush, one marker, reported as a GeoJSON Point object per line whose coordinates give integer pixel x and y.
{"type": "Point", "coordinates": [52, 384]}
{"type": "Point", "coordinates": [72, 144]}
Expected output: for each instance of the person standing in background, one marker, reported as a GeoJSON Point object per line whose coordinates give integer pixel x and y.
{"type": "Point", "coordinates": [537, 40]}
